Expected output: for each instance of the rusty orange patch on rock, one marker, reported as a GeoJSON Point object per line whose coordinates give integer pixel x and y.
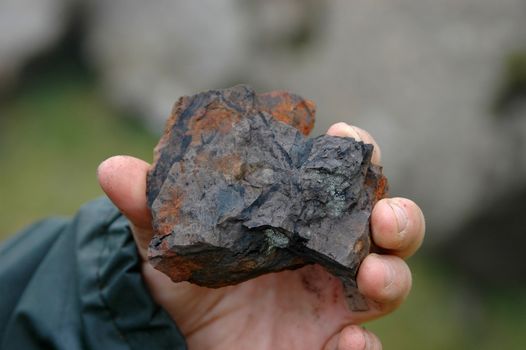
{"type": "Point", "coordinates": [214, 120]}
{"type": "Point", "coordinates": [289, 109]}
{"type": "Point", "coordinates": [170, 216]}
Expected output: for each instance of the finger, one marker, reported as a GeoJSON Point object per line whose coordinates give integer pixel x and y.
{"type": "Point", "coordinates": [123, 179]}
{"type": "Point", "coordinates": [346, 130]}
{"type": "Point", "coordinates": [386, 281]}
{"type": "Point", "coordinates": [398, 226]}
{"type": "Point", "coordinates": [358, 338]}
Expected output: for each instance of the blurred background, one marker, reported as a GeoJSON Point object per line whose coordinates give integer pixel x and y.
{"type": "Point", "coordinates": [441, 84]}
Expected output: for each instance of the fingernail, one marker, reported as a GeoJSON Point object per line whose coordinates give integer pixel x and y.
{"type": "Point", "coordinates": [367, 341]}
{"type": "Point", "coordinates": [389, 275]}
{"type": "Point", "coordinates": [401, 216]}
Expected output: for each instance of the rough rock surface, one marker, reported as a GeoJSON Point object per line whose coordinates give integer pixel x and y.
{"type": "Point", "coordinates": [237, 190]}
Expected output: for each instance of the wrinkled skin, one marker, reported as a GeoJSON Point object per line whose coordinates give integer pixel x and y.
{"type": "Point", "coordinates": [300, 309]}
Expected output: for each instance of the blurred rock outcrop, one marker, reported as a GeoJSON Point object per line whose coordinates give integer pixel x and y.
{"type": "Point", "coordinates": [150, 53]}
{"type": "Point", "coordinates": [28, 27]}
{"type": "Point", "coordinates": [421, 76]}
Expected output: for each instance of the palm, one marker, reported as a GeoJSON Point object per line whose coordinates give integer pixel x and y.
{"type": "Point", "coordinates": [299, 309]}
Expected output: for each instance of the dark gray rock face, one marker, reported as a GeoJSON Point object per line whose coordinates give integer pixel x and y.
{"type": "Point", "coordinates": [236, 193]}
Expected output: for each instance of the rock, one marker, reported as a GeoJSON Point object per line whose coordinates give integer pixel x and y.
{"type": "Point", "coordinates": [28, 28]}
{"type": "Point", "coordinates": [237, 190]}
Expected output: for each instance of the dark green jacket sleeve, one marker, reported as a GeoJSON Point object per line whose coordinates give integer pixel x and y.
{"type": "Point", "coordinates": [76, 284]}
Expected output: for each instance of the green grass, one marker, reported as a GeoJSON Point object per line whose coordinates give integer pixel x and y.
{"type": "Point", "coordinates": [53, 134]}
{"type": "Point", "coordinates": [444, 312]}
{"type": "Point", "coordinates": [57, 129]}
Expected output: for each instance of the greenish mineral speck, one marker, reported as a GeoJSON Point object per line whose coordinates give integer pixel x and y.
{"type": "Point", "coordinates": [276, 239]}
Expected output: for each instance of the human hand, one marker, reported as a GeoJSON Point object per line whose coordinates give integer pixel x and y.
{"type": "Point", "coordinates": [300, 309]}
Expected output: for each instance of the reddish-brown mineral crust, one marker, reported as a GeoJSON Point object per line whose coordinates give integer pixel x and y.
{"type": "Point", "coordinates": [236, 190]}
{"type": "Point", "coordinates": [289, 109]}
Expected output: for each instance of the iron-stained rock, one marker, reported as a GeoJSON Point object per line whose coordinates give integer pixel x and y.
{"type": "Point", "coordinates": [237, 190]}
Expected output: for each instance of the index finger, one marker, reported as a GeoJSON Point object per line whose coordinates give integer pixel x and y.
{"type": "Point", "coordinates": [397, 224]}
{"type": "Point", "coordinates": [345, 130]}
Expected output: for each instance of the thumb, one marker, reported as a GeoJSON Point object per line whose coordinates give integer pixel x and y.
{"type": "Point", "coordinates": [123, 179]}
